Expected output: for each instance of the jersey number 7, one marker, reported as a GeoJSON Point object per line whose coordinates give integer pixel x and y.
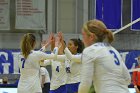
{"type": "Point", "coordinates": [23, 62]}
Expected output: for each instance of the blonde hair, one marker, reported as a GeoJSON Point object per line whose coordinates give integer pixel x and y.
{"type": "Point", "coordinates": [99, 29]}
{"type": "Point", "coordinates": [27, 44]}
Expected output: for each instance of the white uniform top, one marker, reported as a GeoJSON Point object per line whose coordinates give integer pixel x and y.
{"type": "Point", "coordinates": [29, 72]}
{"type": "Point", "coordinates": [102, 64]}
{"type": "Point", "coordinates": [73, 67]}
{"type": "Point", "coordinates": [43, 71]}
{"type": "Point", "coordinates": [58, 74]}
{"type": "Point", "coordinates": [73, 70]}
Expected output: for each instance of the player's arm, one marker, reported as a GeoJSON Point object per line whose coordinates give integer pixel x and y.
{"type": "Point", "coordinates": [86, 74]}
{"type": "Point", "coordinates": [54, 55]}
{"type": "Point", "coordinates": [126, 74]}
{"type": "Point", "coordinates": [55, 51]}
{"type": "Point", "coordinates": [43, 49]}
{"type": "Point", "coordinates": [42, 71]}
{"type": "Point", "coordinates": [43, 80]}
{"type": "Point", "coordinates": [48, 42]}
{"type": "Point", "coordinates": [41, 55]}
{"type": "Point", "coordinates": [45, 62]}
{"type": "Point", "coordinates": [70, 56]}
{"type": "Point", "coordinates": [60, 58]}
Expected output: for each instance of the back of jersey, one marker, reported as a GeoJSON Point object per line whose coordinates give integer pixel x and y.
{"type": "Point", "coordinates": [29, 74]}
{"type": "Point", "coordinates": [110, 72]}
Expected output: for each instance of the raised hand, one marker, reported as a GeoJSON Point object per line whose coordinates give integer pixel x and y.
{"type": "Point", "coordinates": [53, 42]}
{"type": "Point", "coordinates": [51, 38]}
{"type": "Point", "coordinates": [63, 45]}
{"type": "Point", "coordinates": [62, 40]}
{"type": "Point", "coordinates": [43, 43]}
{"type": "Point", "coordinates": [47, 42]}
{"type": "Point", "coordinates": [57, 40]}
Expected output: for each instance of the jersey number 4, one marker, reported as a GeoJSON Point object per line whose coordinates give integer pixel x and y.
{"type": "Point", "coordinates": [23, 62]}
{"type": "Point", "coordinates": [116, 60]}
{"type": "Point", "coordinates": [57, 68]}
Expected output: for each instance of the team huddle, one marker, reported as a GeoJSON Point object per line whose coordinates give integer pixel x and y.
{"type": "Point", "coordinates": [77, 65]}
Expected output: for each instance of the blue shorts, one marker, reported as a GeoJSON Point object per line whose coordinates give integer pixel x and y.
{"type": "Point", "coordinates": [61, 89]}
{"type": "Point", "coordinates": [72, 88]}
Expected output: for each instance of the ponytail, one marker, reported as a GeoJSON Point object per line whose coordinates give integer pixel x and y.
{"type": "Point", "coordinates": [110, 36]}
{"type": "Point", "coordinates": [27, 44]}
{"type": "Point", "coordinates": [100, 30]}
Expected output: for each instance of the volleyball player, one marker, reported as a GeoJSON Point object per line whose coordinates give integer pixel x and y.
{"type": "Point", "coordinates": [72, 63]}
{"type": "Point", "coordinates": [45, 80]}
{"type": "Point", "coordinates": [101, 63]}
{"type": "Point", "coordinates": [58, 78]}
{"type": "Point", "coordinates": [29, 67]}
{"type": "Point", "coordinates": [73, 67]}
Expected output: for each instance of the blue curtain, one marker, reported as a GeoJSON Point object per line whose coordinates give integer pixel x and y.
{"type": "Point", "coordinates": [110, 12]}
{"type": "Point", "coordinates": [135, 13]}
{"type": "Point", "coordinates": [130, 58]}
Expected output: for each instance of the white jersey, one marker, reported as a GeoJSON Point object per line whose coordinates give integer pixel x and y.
{"type": "Point", "coordinates": [102, 64]}
{"type": "Point", "coordinates": [29, 72]}
{"type": "Point", "coordinates": [43, 71]}
{"type": "Point", "coordinates": [58, 74]}
{"type": "Point", "coordinates": [73, 70]}
{"type": "Point", "coordinates": [73, 66]}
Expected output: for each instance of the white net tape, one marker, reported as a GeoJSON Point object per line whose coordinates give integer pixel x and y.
{"type": "Point", "coordinates": [119, 30]}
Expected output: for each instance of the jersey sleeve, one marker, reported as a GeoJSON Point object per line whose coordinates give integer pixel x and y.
{"type": "Point", "coordinates": [43, 55]}
{"type": "Point", "coordinates": [45, 63]}
{"type": "Point", "coordinates": [43, 49]}
{"type": "Point", "coordinates": [86, 73]}
{"type": "Point", "coordinates": [61, 58]}
{"type": "Point", "coordinates": [126, 74]}
{"type": "Point", "coordinates": [74, 58]}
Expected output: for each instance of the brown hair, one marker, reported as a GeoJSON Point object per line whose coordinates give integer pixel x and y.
{"type": "Point", "coordinates": [27, 44]}
{"type": "Point", "coordinates": [79, 43]}
{"type": "Point", "coordinates": [99, 29]}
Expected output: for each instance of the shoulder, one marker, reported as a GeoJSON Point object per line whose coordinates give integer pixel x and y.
{"type": "Point", "coordinates": [92, 49]}
{"type": "Point", "coordinates": [34, 51]}
{"type": "Point", "coordinates": [38, 52]}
